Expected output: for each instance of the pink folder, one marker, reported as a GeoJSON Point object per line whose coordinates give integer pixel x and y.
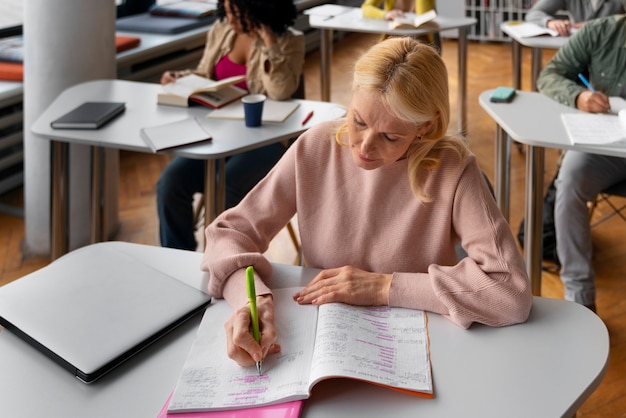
{"type": "Point", "coordinates": [283, 410]}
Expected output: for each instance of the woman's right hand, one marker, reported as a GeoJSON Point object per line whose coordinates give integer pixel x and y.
{"type": "Point", "coordinates": [170, 77]}
{"type": "Point", "coordinates": [562, 27]}
{"type": "Point", "coordinates": [392, 14]}
{"type": "Point", "coordinates": [240, 343]}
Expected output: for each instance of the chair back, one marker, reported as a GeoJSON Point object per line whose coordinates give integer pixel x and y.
{"type": "Point", "coordinates": [299, 93]}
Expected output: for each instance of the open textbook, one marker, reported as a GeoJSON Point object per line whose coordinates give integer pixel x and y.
{"type": "Point", "coordinates": [606, 129]}
{"type": "Point", "coordinates": [383, 345]}
{"type": "Point", "coordinates": [529, 30]}
{"type": "Point", "coordinates": [202, 90]}
{"type": "Point", "coordinates": [412, 20]}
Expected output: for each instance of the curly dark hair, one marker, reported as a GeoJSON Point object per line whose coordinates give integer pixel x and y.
{"type": "Point", "coordinates": [278, 15]}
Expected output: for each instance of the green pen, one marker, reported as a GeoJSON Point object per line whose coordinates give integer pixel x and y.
{"type": "Point", "coordinates": [253, 312]}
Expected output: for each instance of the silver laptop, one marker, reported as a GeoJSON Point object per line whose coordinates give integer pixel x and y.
{"type": "Point", "coordinates": [95, 307]}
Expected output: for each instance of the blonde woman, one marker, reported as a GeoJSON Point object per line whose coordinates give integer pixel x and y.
{"type": "Point", "coordinates": [382, 197]}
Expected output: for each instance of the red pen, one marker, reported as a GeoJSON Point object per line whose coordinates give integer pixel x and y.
{"type": "Point", "coordinates": [307, 118]}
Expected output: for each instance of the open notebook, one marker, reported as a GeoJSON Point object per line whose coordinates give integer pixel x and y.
{"type": "Point", "coordinates": [604, 129]}
{"type": "Point", "coordinates": [96, 307]}
{"type": "Point", "coordinates": [273, 110]}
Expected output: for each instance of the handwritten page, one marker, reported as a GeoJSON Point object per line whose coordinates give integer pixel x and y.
{"type": "Point", "coordinates": [385, 345]}
{"type": "Point", "coordinates": [211, 380]}
{"type": "Point", "coordinates": [374, 343]}
{"type": "Point", "coordinates": [595, 129]}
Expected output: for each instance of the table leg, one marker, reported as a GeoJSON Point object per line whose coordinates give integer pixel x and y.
{"type": "Point", "coordinates": [220, 199]}
{"type": "Point", "coordinates": [214, 190]}
{"type": "Point", "coordinates": [536, 64]}
{"type": "Point", "coordinates": [535, 157]}
{"type": "Point", "coordinates": [326, 52]}
{"type": "Point", "coordinates": [516, 49]}
{"type": "Point", "coordinates": [96, 194]}
{"type": "Point", "coordinates": [463, 81]}
{"type": "Point", "coordinates": [503, 171]}
{"type": "Point", "coordinates": [59, 199]}
{"type": "Point", "coordinates": [209, 193]}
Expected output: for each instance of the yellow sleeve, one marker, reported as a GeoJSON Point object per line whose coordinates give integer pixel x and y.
{"type": "Point", "coordinates": [422, 6]}
{"type": "Point", "coordinates": [371, 8]}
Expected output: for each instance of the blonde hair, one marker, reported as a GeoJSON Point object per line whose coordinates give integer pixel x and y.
{"type": "Point", "coordinates": [411, 81]}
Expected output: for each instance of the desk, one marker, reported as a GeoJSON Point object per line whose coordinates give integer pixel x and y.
{"type": "Point", "coordinates": [545, 131]}
{"type": "Point", "coordinates": [160, 52]}
{"type": "Point", "coordinates": [536, 44]}
{"type": "Point", "coordinates": [518, 371]}
{"type": "Point", "coordinates": [353, 21]}
{"type": "Point", "coordinates": [229, 137]}
{"type": "Point", "coordinates": [155, 54]}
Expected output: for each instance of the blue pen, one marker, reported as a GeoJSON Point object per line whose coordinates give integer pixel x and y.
{"type": "Point", "coordinates": [586, 83]}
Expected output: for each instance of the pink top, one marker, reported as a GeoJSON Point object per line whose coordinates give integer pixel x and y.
{"type": "Point", "coordinates": [226, 68]}
{"type": "Point", "coordinates": [371, 220]}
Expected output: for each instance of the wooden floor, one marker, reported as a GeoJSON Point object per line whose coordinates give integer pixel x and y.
{"type": "Point", "coordinates": [488, 66]}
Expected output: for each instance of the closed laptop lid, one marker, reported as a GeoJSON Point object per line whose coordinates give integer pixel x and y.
{"type": "Point", "coordinates": [95, 307]}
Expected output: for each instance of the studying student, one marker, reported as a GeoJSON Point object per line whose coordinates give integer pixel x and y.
{"type": "Point", "coordinates": [382, 198]}
{"type": "Point", "coordinates": [251, 37]}
{"type": "Point", "coordinates": [393, 8]}
{"type": "Point", "coordinates": [597, 50]}
{"type": "Point", "coordinates": [543, 13]}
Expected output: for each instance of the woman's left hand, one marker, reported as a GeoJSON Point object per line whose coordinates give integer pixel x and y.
{"type": "Point", "coordinates": [348, 285]}
{"type": "Point", "coordinates": [266, 34]}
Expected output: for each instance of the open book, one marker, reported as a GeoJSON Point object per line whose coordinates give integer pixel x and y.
{"type": "Point", "coordinates": [382, 345]}
{"type": "Point", "coordinates": [412, 20]}
{"type": "Point", "coordinates": [606, 129]}
{"type": "Point", "coordinates": [202, 90]}
{"type": "Point", "coordinates": [529, 30]}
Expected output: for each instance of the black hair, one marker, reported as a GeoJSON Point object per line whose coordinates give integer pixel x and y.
{"type": "Point", "coordinates": [278, 15]}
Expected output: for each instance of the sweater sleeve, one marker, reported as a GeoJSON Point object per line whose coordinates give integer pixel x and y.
{"type": "Point", "coordinates": [559, 78]}
{"type": "Point", "coordinates": [371, 9]}
{"type": "Point", "coordinates": [239, 236]}
{"type": "Point", "coordinates": [544, 10]}
{"type": "Point", "coordinates": [490, 284]}
{"type": "Point", "coordinates": [423, 6]}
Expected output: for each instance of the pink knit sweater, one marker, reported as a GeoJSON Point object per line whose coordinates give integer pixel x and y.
{"type": "Point", "coordinates": [373, 221]}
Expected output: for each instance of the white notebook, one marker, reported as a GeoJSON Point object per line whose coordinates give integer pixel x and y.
{"type": "Point", "coordinates": [605, 129]}
{"type": "Point", "coordinates": [273, 111]}
{"type": "Point", "coordinates": [174, 134]}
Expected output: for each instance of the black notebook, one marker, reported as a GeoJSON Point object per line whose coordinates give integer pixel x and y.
{"type": "Point", "coordinates": [89, 115]}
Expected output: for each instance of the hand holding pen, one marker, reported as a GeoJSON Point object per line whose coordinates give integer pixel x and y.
{"type": "Point", "coordinates": [240, 342]}
{"type": "Point", "coordinates": [592, 100]}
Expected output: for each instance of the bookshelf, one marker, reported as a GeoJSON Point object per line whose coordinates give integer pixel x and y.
{"type": "Point", "coordinates": [491, 13]}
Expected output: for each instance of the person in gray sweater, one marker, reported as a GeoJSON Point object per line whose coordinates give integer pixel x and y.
{"type": "Point", "coordinates": [544, 13]}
